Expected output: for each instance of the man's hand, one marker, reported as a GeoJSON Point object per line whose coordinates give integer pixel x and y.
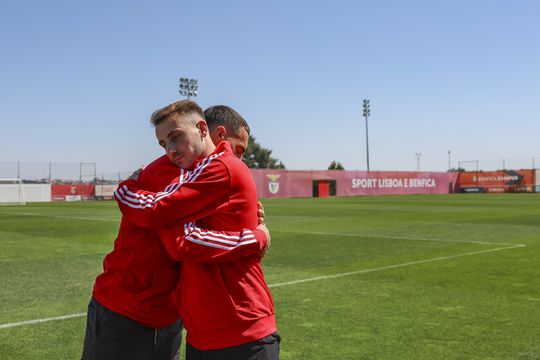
{"type": "Point", "coordinates": [260, 215]}
{"type": "Point", "coordinates": [136, 174]}
{"type": "Point", "coordinates": [268, 241]}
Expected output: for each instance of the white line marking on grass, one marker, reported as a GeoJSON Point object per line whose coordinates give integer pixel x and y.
{"type": "Point", "coordinates": [37, 321]}
{"type": "Point", "coordinates": [363, 271]}
{"type": "Point", "coordinates": [300, 281]}
{"type": "Point", "coordinates": [394, 237]}
{"type": "Point", "coordinates": [60, 216]}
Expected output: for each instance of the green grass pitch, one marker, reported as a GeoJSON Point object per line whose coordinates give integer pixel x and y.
{"type": "Point", "coordinates": [390, 277]}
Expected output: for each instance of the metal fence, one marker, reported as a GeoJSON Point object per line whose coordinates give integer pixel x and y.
{"type": "Point", "coordinates": [58, 172]}
{"type": "Point", "coordinates": [500, 164]}
{"type": "Point", "coordinates": [86, 172]}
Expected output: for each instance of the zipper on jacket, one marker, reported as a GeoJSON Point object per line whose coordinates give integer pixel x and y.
{"type": "Point", "coordinates": [155, 337]}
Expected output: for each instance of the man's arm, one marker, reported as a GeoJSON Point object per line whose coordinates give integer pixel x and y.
{"type": "Point", "coordinates": [191, 243]}
{"type": "Point", "coordinates": [197, 194]}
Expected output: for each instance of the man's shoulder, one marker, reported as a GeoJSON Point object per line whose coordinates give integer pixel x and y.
{"type": "Point", "coordinates": [221, 164]}
{"type": "Point", "coordinates": [236, 169]}
{"type": "Point", "coordinates": [227, 158]}
{"type": "Point", "coordinates": [220, 158]}
{"type": "Point", "coordinates": [225, 154]}
{"type": "Point", "coordinates": [158, 173]}
{"type": "Point", "coordinates": [160, 164]}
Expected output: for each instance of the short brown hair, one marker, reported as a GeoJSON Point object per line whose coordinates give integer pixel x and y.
{"type": "Point", "coordinates": [222, 115]}
{"type": "Point", "coordinates": [182, 107]}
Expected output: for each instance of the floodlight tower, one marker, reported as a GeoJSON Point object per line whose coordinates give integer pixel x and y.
{"type": "Point", "coordinates": [367, 112]}
{"type": "Point", "coordinates": [418, 157]}
{"type": "Point", "coordinates": [188, 87]}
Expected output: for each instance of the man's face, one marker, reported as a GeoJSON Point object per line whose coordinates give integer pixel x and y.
{"type": "Point", "coordinates": [181, 137]}
{"type": "Point", "coordinates": [239, 142]}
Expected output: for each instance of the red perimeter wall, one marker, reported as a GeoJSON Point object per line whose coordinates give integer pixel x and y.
{"type": "Point", "coordinates": [298, 183]}
{"type": "Point", "coordinates": [285, 183]}
{"type": "Point", "coordinates": [63, 192]}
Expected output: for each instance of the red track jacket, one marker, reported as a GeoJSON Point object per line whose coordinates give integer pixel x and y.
{"type": "Point", "coordinates": [222, 304]}
{"type": "Point", "coordinates": [140, 278]}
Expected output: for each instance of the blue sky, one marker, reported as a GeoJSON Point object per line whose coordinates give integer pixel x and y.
{"type": "Point", "coordinates": [80, 79]}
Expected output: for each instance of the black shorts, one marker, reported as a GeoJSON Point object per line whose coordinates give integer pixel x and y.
{"type": "Point", "coordinates": [111, 336]}
{"type": "Point", "coordinates": [266, 348]}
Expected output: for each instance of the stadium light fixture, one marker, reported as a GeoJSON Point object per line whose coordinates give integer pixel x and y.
{"type": "Point", "coordinates": [367, 112]}
{"type": "Point", "coordinates": [418, 158]}
{"type": "Point", "coordinates": [188, 87]}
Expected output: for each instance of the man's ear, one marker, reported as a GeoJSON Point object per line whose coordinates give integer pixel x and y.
{"type": "Point", "coordinates": [203, 128]}
{"type": "Point", "coordinates": [218, 134]}
{"type": "Point", "coordinates": [221, 133]}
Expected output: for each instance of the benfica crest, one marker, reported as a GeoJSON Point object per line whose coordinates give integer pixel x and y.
{"type": "Point", "coordinates": [273, 185]}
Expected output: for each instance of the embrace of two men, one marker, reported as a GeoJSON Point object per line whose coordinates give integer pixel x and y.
{"type": "Point", "coordinates": [189, 247]}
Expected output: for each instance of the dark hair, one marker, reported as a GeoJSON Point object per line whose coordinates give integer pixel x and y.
{"type": "Point", "coordinates": [183, 107]}
{"type": "Point", "coordinates": [221, 115]}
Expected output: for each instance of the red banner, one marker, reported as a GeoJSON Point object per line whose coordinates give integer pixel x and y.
{"type": "Point", "coordinates": [497, 181]}
{"type": "Point", "coordinates": [75, 192]}
{"type": "Point", "coordinates": [284, 183]}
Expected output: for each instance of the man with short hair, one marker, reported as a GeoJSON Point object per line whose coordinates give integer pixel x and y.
{"type": "Point", "coordinates": [226, 307]}
{"type": "Point", "coordinates": [134, 313]}
{"type": "Point", "coordinates": [225, 123]}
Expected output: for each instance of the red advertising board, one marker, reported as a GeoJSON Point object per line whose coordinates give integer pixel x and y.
{"type": "Point", "coordinates": [284, 183]}
{"type": "Point", "coordinates": [497, 181]}
{"type": "Point", "coordinates": [72, 192]}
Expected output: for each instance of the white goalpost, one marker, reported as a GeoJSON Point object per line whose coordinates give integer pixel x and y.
{"type": "Point", "coordinates": [12, 192]}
